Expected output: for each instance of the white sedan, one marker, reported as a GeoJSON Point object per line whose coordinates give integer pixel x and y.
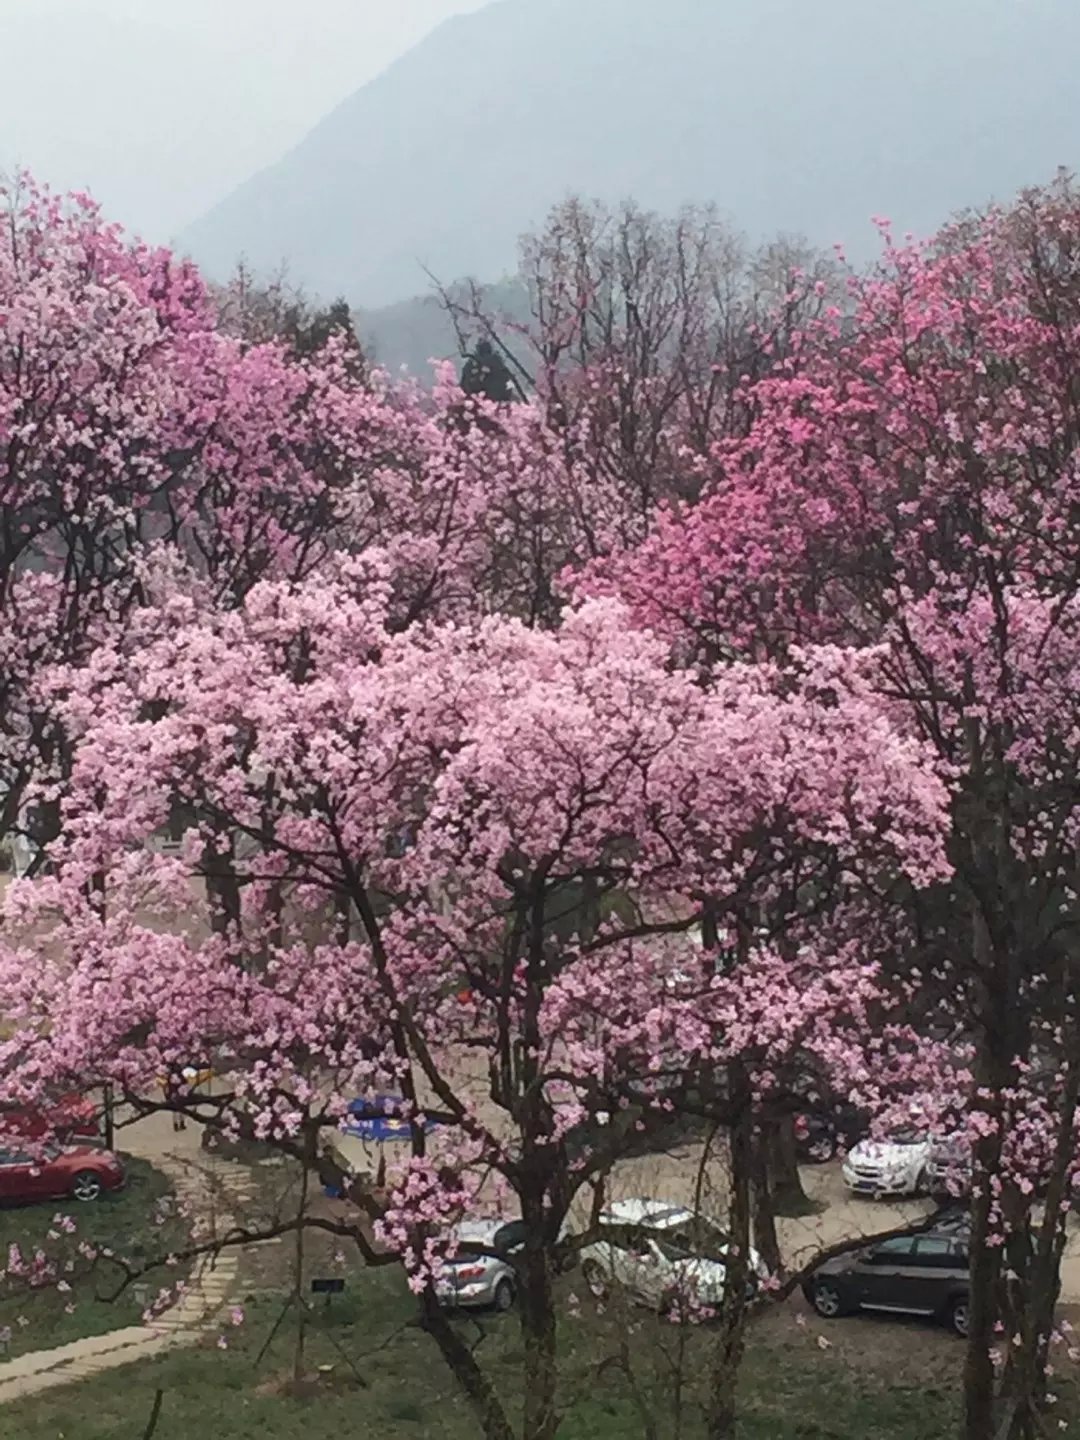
{"type": "Point", "coordinates": [896, 1166]}
{"type": "Point", "coordinates": [661, 1254]}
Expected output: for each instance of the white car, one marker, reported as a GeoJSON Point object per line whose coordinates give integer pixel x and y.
{"type": "Point", "coordinates": [896, 1166]}
{"type": "Point", "coordinates": [660, 1253]}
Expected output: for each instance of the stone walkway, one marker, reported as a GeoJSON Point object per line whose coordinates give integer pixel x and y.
{"type": "Point", "coordinates": [211, 1188]}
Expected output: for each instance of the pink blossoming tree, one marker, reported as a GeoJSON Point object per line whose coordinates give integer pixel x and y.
{"type": "Point", "coordinates": [910, 486]}
{"type": "Point", "coordinates": [455, 791]}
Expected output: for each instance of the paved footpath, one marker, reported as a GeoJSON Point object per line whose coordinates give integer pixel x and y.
{"type": "Point", "coordinates": [210, 1187]}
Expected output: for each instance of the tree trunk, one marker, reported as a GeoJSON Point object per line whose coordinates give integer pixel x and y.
{"type": "Point", "coordinates": [462, 1362]}
{"type": "Point", "coordinates": [727, 1353]}
{"type": "Point", "coordinates": [299, 1299]}
{"type": "Point", "coordinates": [782, 1167]}
{"type": "Point", "coordinates": [765, 1238]}
{"type": "Point", "coordinates": [541, 1419]}
{"type": "Point", "coordinates": [222, 886]}
{"type": "Point", "coordinates": [342, 918]}
{"type": "Point", "coordinates": [108, 1108]}
{"type": "Point", "coordinates": [1037, 1262]}
{"type": "Point", "coordinates": [985, 1272]}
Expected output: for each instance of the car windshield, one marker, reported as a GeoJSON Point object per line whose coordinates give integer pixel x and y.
{"type": "Point", "coordinates": [40, 1154]}
{"type": "Point", "coordinates": [509, 1237]}
{"type": "Point", "coordinates": [700, 1240]}
{"type": "Point", "coordinates": [952, 1142]}
{"type": "Point", "coordinates": [469, 1251]}
{"type": "Point", "coordinates": [908, 1135]}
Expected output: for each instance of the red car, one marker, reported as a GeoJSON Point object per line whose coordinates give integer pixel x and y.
{"type": "Point", "coordinates": [80, 1171]}
{"type": "Point", "coordinates": [71, 1117]}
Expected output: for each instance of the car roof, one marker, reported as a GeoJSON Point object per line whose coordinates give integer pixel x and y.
{"type": "Point", "coordinates": [479, 1232]}
{"type": "Point", "coordinates": [903, 1138]}
{"type": "Point", "coordinates": [954, 1222]}
{"type": "Point", "coordinates": [658, 1214]}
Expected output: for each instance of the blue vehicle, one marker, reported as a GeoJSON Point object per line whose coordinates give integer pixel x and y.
{"type": "Point", "coordinates": [373, 1120]}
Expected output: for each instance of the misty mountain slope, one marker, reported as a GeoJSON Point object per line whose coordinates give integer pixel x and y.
{"type": "Point", "coordinates": [790, 116]}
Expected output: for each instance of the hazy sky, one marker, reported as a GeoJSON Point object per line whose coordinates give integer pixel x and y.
{"type": "Point", "coordinates": [162, 106]}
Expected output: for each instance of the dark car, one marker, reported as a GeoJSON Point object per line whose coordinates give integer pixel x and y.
{"type": "Point", "coordinates": [823, 1128]}
{"type": "Point", "coordinates": [948, 1170]}
{"type": "Point", "coordinates": [55, 1173]}
{"type": "Point", "coordinates": [925, 1274]}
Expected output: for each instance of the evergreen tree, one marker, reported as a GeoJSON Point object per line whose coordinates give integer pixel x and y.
{"type": "Point", "coordinates": [486, 373]}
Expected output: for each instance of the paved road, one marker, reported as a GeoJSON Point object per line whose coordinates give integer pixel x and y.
{"type": "Point", "coordinates": [677, 1176]}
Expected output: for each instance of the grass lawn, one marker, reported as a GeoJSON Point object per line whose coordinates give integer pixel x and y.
{"type": "Point", "coordinates": [874, 1380]}
{"type": "Point", "coordinates": [124, 1223]}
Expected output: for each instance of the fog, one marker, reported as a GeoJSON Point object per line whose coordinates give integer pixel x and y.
{"type": "Point", "coordinates": [161, 107]}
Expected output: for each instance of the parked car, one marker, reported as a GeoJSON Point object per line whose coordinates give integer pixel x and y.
{"type": "Point", "coordinates": [377, 1117]}
{"type": "Point", "coordinates": [370, 1123]}
{"type": "Point", "coordinates": [924, 1274]}
{"type": "Point", "coordinates": [80, 1172]}
{"type": "Point", "coordinates": [948, 1168]}
{"type": "Point", "coordinates": [482, 1273]}
{"type": "Point", "coordinates": [824, 1124]}
{"type": "Point", "coordinates": [70, 1117]}
{"type": "Point", "coordinates": [660, 1253]}
{"type": "Point", "coordinates": [821, 1131]}
{"type": "Point", "coordinates": [896, 1166]}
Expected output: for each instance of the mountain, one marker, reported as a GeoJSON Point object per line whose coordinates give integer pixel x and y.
{"type": "Point", "coordinates": [411, 333]}
{"type": "Point", "coordinates": [791, 116]}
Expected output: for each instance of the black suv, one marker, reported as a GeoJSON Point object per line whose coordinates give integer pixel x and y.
{"type": "Point", "coordinates": [925, 1274]}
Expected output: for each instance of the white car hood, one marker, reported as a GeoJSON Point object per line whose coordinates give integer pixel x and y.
{"type": "Point", "coordinates": [708, 1277]}
{"type": "Point", "coordinates": [888, 1155]}
{"type": "Point", "coordinates": [703, 1277]}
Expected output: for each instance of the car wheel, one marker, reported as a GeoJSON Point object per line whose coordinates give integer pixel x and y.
{"type": "Point", "coordinates": [958, 1317]}
{"type": "Point", "coordinates": [86, 1186]}
{"type": "Point", "coordinates": [504, 1296]}
{"type": "Point", "coordinates": [827, 1299]}
{"type": "Point", "coordinates": [595, 1279]}
{"type": "Point", "coordinates": [821, 1150]}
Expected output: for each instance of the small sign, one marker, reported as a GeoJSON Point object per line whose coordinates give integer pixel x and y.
{"type": "Point", "coordinates": [329, 1286]}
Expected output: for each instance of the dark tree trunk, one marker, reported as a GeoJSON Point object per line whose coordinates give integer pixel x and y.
{"type": "Point", "coordinates": [1035, 1257]}
{"type": "Point", "coordinates": [342, 917]}
{"type": "Point", "coordinates": [727, 1353]}
{"type": "Point", "coordinates": [463, 1366]}
{"type": "Point", "coordinates": [108, 1109]}
{"type": "Point", "coordinates": [222, 886]}
{"type": "Point", "coordinates": [985, 1272]}
{"type": "Point", "coordinates": [781, 1155]}
{"type": "Point", "coordinates": [538, 1328]}
{"type": "Point", "coordinates": [765, 1237]}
